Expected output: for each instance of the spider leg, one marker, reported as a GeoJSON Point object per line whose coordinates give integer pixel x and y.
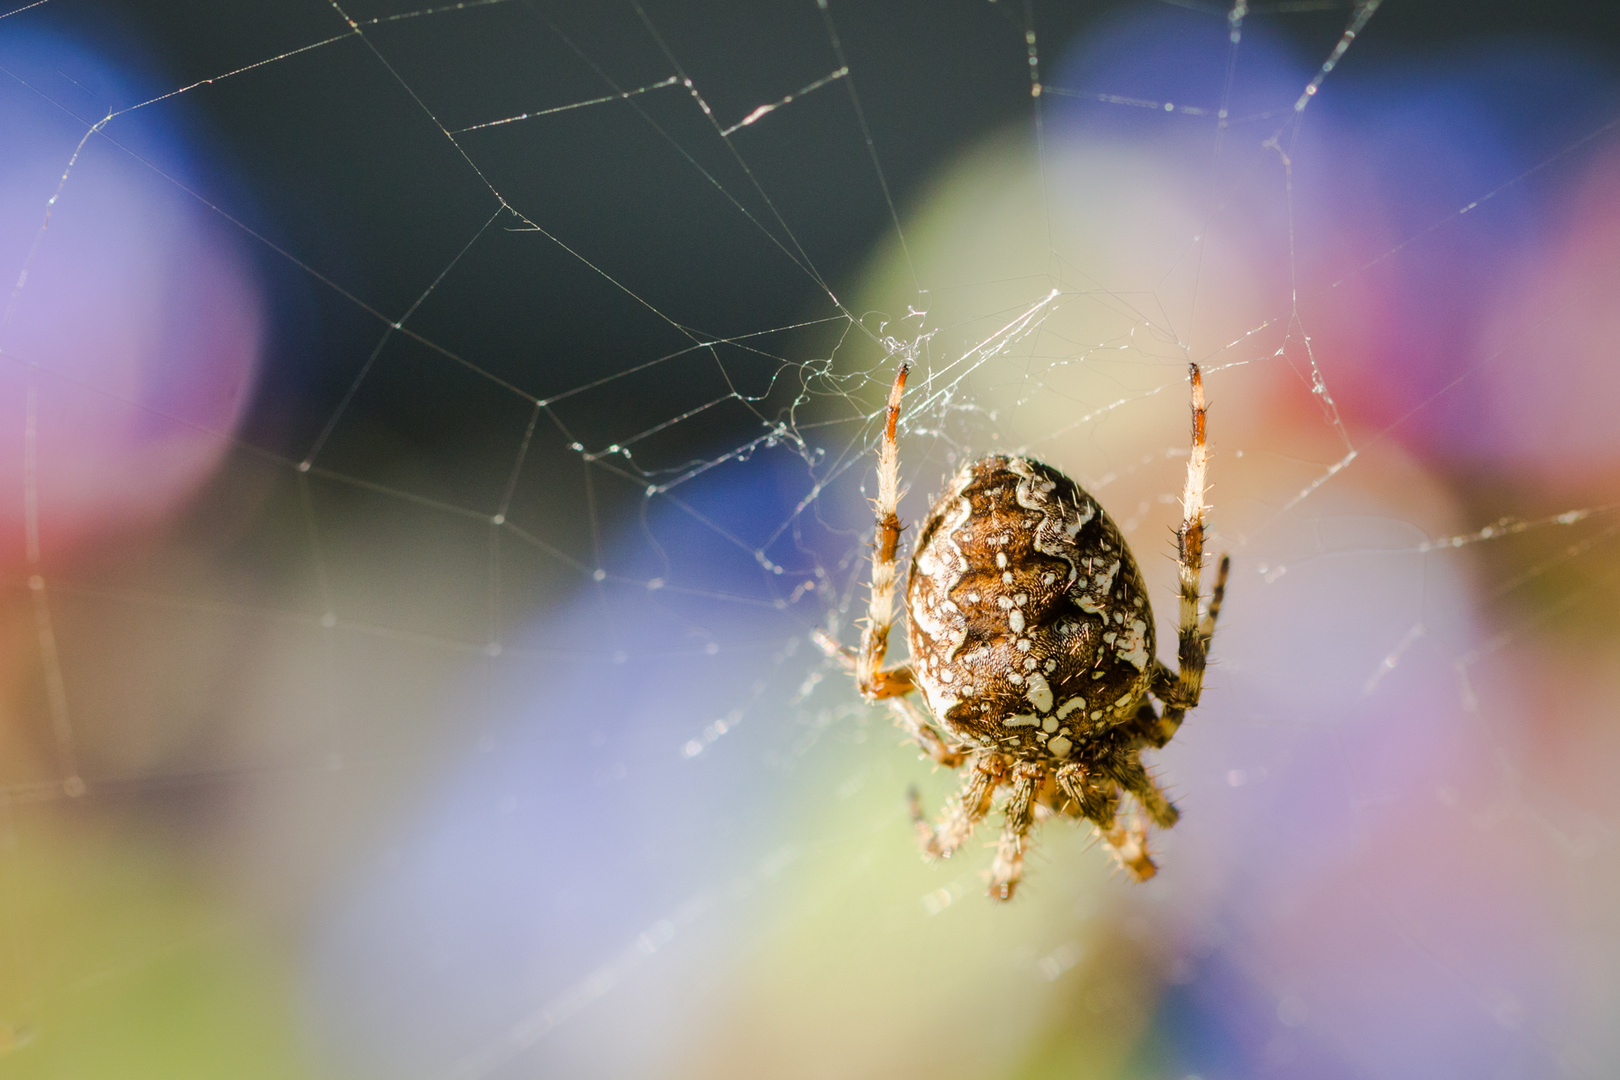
{"type": "Point", "coordinates": [895, 683]}
{"type": "Point", "coordinates": [971, 806]}
{"type": "Point", "coordinates": [1097, 799]}
{"type": "Point", "coordinates": [911, 720]}
{"type": "Point", "coordinates": [867, 662]}
{"type": "Point", "coordinates": [1206, 629]}
{"type": "Point", "coordinates": [1094, 801]}
{"type": "Point", "coordinates": [1008, 868]}
{"type": "Point", "coordinates": [1171, 687]}
{"type": "Point", "coordinates": [1131, 775]}
{"type": "Point", "coordinates": [1181, 691]}
{"type": "Point", "coordinates": [1128, 845]}
{"type": "Point", "coordinates": [880, 610]}
{"type": "Point", "coordinates": [886, 683]}
{"type": "Point", "coordinates": [1122, 762]}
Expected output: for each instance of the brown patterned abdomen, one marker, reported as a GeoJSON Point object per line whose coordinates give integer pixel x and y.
{"type": "Point", "coordinates": [1027, 619]}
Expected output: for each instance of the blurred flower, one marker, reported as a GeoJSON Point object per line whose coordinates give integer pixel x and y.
{"type": "Point", "coordinates": [131, 331]}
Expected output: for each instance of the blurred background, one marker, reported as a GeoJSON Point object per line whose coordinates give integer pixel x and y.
{"type": "Point", "coordinates": [430, 433]}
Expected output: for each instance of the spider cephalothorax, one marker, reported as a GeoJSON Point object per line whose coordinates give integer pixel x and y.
{"type": "Point", "coordinates": [1032, 640]}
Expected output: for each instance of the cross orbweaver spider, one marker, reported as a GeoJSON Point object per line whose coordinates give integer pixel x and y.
{"type": "Point", "coordinates": [1032, 640]}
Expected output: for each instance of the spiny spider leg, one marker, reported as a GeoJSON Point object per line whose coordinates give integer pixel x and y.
{"type": "Point", "coordinates": [912, 721]}
{"type": "Point", "coordinates": [1130, 774]}
{"type": "Point", "coordinates": [1190, 546]}
{"type": "Point", "coordinates": [889, 682]}
{"type": "Point", "coordinates": [971, 806]}
{"type": "Point", "coordinates": [1008, 868]}
{"type": "Point", "coordinates": [1124, 765]}
{"type": "Point", "coordinates": [907, 716]}
{"type": "Point", "coordinates": [1206, 629]}
{"type": "Point", "coordinates": [1168, 687]}
{"type": "Point", "coordinates": [1099, 804]}
{"type": "Point", "coordinates": [1128, 845]}
{"type": "Point", "coordinates": [1180, 692]}
{"type": "Point", "coordinates": [880, 609]}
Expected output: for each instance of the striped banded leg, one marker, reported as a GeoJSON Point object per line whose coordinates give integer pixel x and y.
{"type": "Point", "coordinates": [1128, 845]}
{"type": "Point", "coordinates": [912, 721]}
{"type": "Point", "coordinates": [1180, 690]}
{"type": "Point", "coordinates": [880, 610]}
{"type": "Point", "coordinates": [1097, 799]}
{"type": "Point", "coordinates": [909, 718]}
{"type": "Point", "coordinates": [1008, 868]}
{"type": "Point", "coordinates": [959, 822]}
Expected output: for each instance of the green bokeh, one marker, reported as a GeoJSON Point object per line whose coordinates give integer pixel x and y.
{"type": "Point", "coordinates": [120, 963]}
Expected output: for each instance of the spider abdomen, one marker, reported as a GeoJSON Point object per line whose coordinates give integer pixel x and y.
{"type": "Point", "coordinates": [1029, 626]}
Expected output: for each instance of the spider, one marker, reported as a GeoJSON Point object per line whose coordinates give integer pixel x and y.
{"type": "Point", "coordinates": [1032, 640]}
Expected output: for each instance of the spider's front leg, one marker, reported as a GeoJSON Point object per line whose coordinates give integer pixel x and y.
{"type": "Point", "coordinates": [880, 609]}
{"type": "Point", "coordinates": [867, 662]}
{"type": "Point", "coordinates": [887, 683]}
{"type": "Point", "coordinates": [1180, 690]}
{"type": "Point", "coordinates": [875, 682]}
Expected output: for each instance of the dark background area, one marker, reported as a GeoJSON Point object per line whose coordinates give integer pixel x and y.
{"type": "Point", "coordinates": [329, 161]}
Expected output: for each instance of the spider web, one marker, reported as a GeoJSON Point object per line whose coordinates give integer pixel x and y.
{"type": "Point", "coordinates": [434, 433]}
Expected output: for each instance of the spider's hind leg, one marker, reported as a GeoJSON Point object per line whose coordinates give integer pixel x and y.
{"type": "Point", "coordinates": [912, 721]}
{"type": "Point", "coordinates": [1123, 763]}
{"type": "Point", "coordinates": [1096, 798]}
{"type": "Point", "coordinates": [896, 682]}
{"type": "Point", "coordinates": [959, 821]}
{"type": "Point", "coordinates": [1133, 776]}
{"type": "Point", "coordinates": [1128, 845]}
{"type": "Point", "coordinates": [1008, 868]}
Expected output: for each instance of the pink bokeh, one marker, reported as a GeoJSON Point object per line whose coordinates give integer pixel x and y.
{"type": "Point", "coordinates": [133, 329]}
